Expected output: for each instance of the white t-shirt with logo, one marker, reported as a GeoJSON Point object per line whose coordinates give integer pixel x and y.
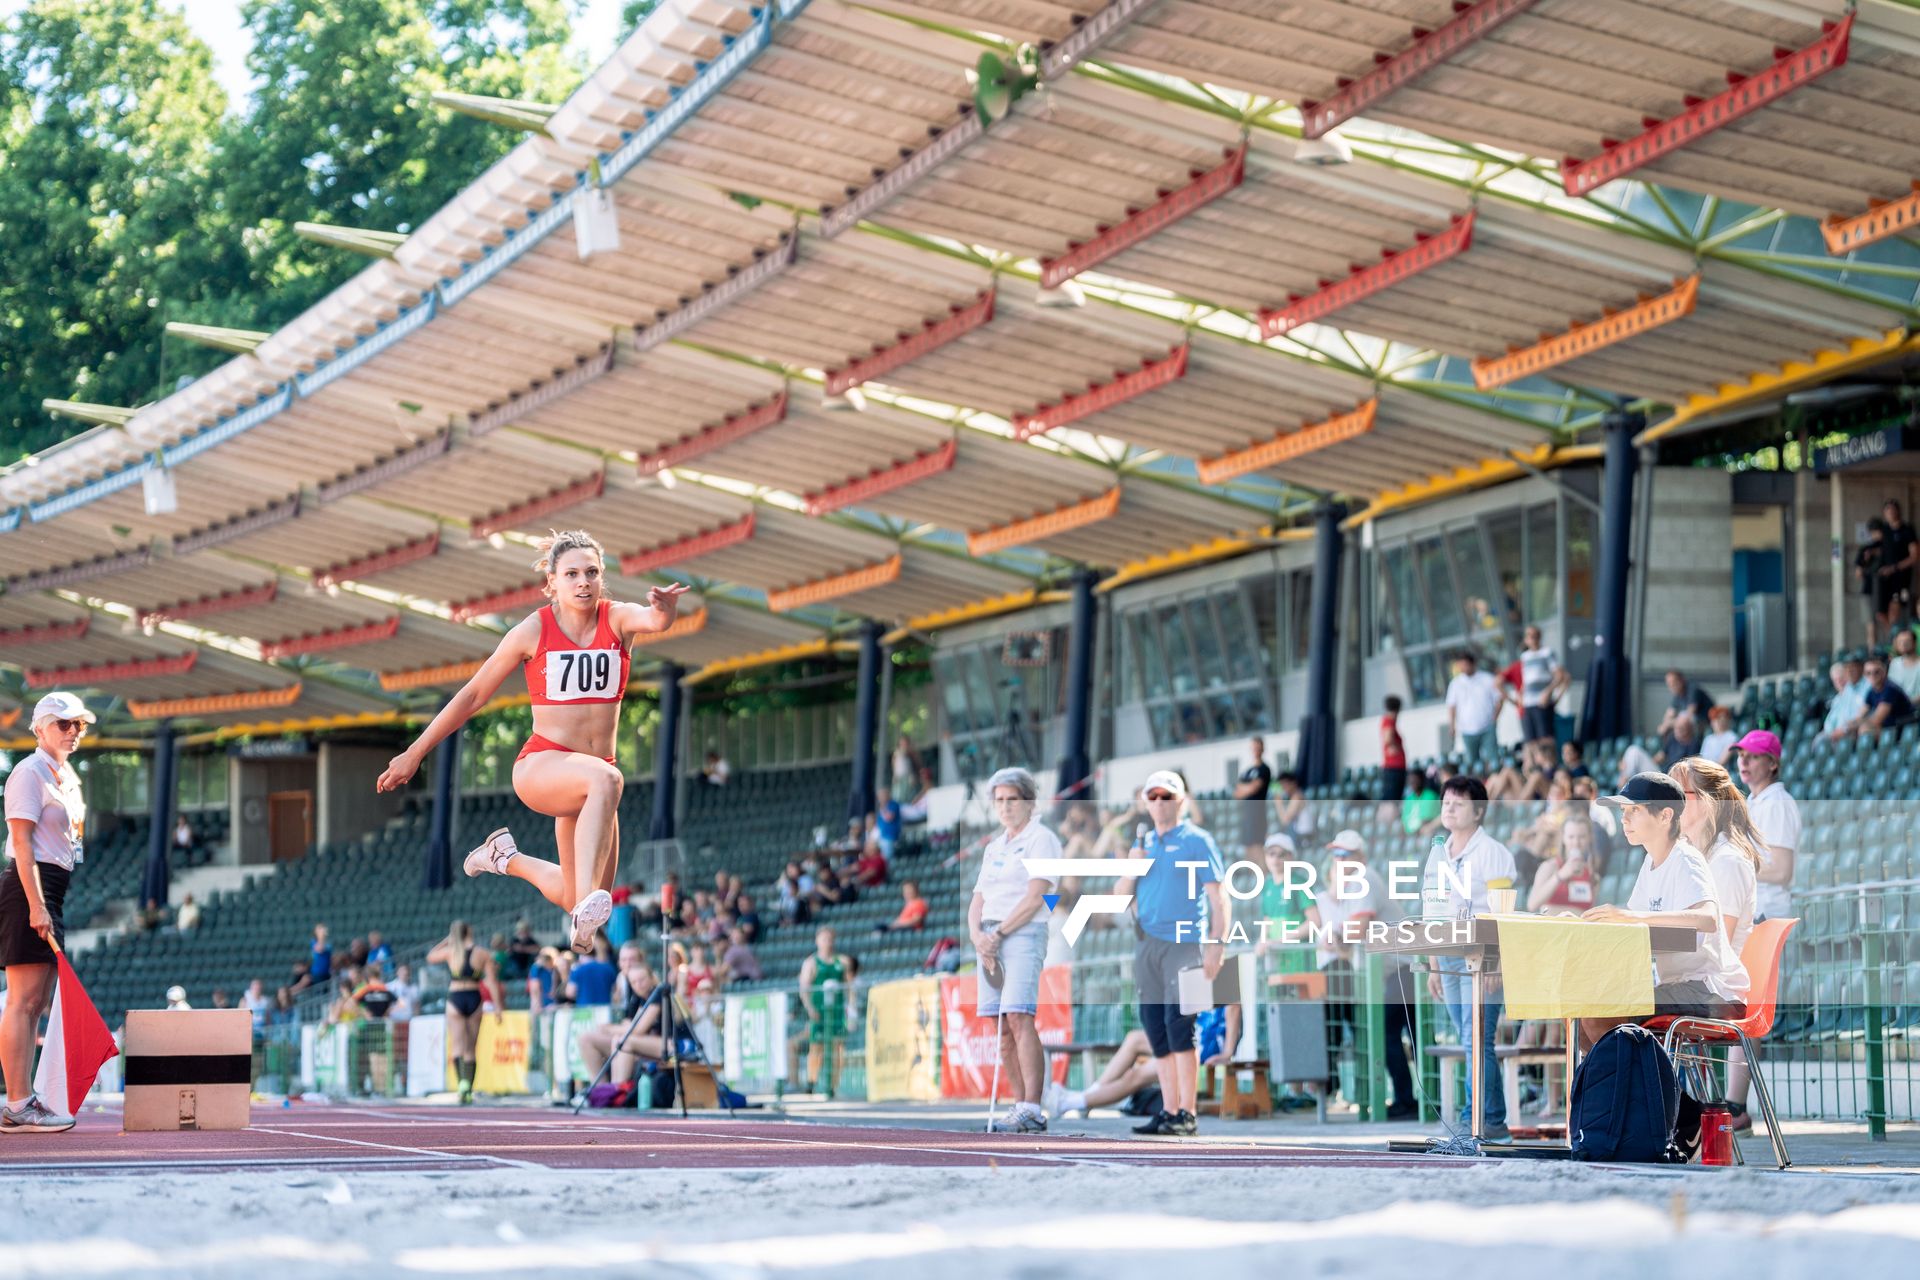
{"type": "Point", "coordinates": [1003, 871]}
{"type": "Point", "coordinates": [1735, 880]}
{"type": "Point", "coordinates": [1777, 817]}
{"type": "Point", "coordinates": [48, 795]}
{"type": "Point", "coordinates": [1682, 883]}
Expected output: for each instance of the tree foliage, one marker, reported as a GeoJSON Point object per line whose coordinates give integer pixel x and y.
{"type": "Point", "coordinates": [132, 193]}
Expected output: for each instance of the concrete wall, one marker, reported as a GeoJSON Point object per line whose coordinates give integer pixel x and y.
{"type": "Point", "coordinates": [345, 804]}
{"type": "Point", "coordinates": [1689, 586]}
{"type": "Point", "coordinates": [1813, 564]}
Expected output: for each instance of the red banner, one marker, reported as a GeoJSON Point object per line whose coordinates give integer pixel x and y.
{"type": "Point", "coordinates": [969, 1046]}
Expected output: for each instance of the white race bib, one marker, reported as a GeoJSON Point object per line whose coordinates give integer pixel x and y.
{"type": "Point", "coordinates": [574, 674]}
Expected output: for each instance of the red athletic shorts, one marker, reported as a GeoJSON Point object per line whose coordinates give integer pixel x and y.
{"type": "Point", "coordinates": [538, 743]}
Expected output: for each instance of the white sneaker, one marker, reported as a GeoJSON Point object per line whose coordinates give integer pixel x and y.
{"type": "Point", "coordinates": [594, 910]}
{"type": "Point", "coordinates": [1059, 1101]}
{"type": "Point", "coordinates": [33, 1117]}
{"type": "Point", "coordinates": [493, 855]}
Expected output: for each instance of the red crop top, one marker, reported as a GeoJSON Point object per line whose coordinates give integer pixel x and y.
{"type": "Point", "coordinates": [562, 672]}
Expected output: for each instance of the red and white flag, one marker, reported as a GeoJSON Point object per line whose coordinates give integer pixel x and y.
{"type": "Point", "coordinates": [78, 1043]}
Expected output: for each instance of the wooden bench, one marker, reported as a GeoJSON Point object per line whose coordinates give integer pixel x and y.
{"type": "Point", "coordinates": [1511, 1058]}
{"type": "Point", "coordinates": [1246, 1090]}
{"type": "Point", "coordinates": [1089, 1064]}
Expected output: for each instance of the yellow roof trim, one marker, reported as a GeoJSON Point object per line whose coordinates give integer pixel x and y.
{"type": "Point", "coordinates": [1791, 376]}
{"type": "Point", "coordinates": [1465, 479]}
{"type": "Point", "coordinates": [1197, 554]}
{"type": "Point", "coordinates": [767, 657]}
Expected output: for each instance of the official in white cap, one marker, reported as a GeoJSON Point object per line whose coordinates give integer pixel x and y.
{"type": "Point", "coordinates": [46, 819]}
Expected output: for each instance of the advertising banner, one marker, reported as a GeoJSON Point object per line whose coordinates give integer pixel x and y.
{"type": "Point", "coordinates": [756, 1041]}
{"type": "Point", "coordinates": [970, 1044]}
{"type": "Point", "coordinates": [426, 1055]}
{"type": "Point", "coordinates": [503, 1054]}
{"type": "Point", "coordinates": [903, 1037]}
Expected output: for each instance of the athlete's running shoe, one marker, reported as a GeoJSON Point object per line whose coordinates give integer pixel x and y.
{"type": "Point", "coordinates": [593, 911]}
{"type": "Point", "coordinates": [493, 855]}
{"type": "Point", "coordinates": [33, 1117]}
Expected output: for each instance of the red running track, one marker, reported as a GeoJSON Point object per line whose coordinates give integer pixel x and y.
{"type": "Point", "coordinates": [402, 1138]}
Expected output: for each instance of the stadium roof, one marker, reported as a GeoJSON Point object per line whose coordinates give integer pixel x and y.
{"type": "Point", "coordinates": [914, 306]}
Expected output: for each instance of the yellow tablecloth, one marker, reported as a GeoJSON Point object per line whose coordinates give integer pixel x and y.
{"type": "Point", "coordinates": [1561, 967]}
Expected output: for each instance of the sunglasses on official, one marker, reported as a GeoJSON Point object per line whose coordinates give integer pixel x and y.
{"type": "Point", "coordinates": [1160, 795]}
{"type": "Point", "coordinates": [68, 726]}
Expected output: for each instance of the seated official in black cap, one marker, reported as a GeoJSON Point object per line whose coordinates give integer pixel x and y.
{"type": "Point", "coordinates": [1674, 890]}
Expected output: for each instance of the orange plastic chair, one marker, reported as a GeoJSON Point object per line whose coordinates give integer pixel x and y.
{"type": "Point", "coordinates": [1761, 956]}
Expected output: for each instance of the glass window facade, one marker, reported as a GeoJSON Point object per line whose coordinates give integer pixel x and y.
{"type": "Point", "coordinates": [1202, 663]}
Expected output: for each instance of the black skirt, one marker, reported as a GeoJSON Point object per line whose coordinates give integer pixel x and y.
{"type": "Point", "coordinates": [19, 943]}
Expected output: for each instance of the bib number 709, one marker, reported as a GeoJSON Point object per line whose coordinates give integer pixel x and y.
{"type": "Point", "coordinates": [573, 674]}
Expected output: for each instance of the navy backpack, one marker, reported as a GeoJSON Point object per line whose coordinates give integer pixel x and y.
{"type": "Point", "coordinates": [1626, 1099]}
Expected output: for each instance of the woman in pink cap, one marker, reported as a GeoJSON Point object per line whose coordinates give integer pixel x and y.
{"type": "Point", "coordinates": [1776, 815]}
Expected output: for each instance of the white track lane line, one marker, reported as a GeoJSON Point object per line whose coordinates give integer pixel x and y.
{"type": "Point", "coordinates": [412, 1151]}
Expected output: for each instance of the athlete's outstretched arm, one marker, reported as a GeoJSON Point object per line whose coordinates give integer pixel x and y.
{"type": "Point", "coordinates": [657, 614]}
{"type": "Point", "coordinates": [515, 648]}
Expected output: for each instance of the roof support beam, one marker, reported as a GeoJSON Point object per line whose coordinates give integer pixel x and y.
{"type": "Point", "coordinates": [853, 492]}
{"type": "Point", "coordinates": [1395, 71]}
{"type": "Point", "coordinates": [1150, 376]}
{"type": "Point", "coordinates": [98, 415]}
{"type": "Point", "coordinates": [1792, 69]}
{"type": "Point", "coordinates": [237, 341]}
{"type": "Point", "coordinates": [1883, 219]}
{"type": "Point", "coordinates": [114, 672]}
{"type": "Point", "coordinates": [214, 704]}
{"type": "Point", "coordinates": [820, 590]}
{"type": "Point", "coordinates": [1585, 339]}
{"type": "Point", "coordinates": [1077, 515]}
{"type": "Point", "coordinates": [545, 505]}
{"type": "Point", "coordinates": [1395, 267]}
{"type": "Point", "coordinates": [105, 566]}
{"type": "Point", "coordinates": [328, 641]}
{"type": "Point", "coordinates": [46, 632]}
{"type": "Point", "coordinates": [909, 347]}
{"type": "Point", "coordinates": [380, 562]}
{"type": "Point", "coordinates": [1290, 444]}
{"type": "Point", "coordinates": [449, 673]}
{"type": "Point", "coordinates": [406, 460]}
{"type": "Point", "coordinates": [541, 394]}
{"type": "Point", "coordinates": [744, 280]}
{"type": "Point", "coordinates": [1141, 223]}
{"type": "Point", "coordinates": [287, 508]}
{"type": "Point", "coordinates": [225, 602]}
{"type": "Point", "coordinates": [730, 430]}
{"type": "Point", "coordinates": [691, 547]}
{"type": "Point", "coordinates": [361, 240]}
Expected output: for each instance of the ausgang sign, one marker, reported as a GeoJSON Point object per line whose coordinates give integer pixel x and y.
{"type": "Point", "coordinates": [1861, 448]}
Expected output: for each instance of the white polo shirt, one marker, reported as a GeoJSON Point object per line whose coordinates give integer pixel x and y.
{"type": "Point", "coordinates": [1475, 700]}
{"type": "Point", "coordinates": [48, 795]}
{"type": "Point", "coordinates": [1735, 883]}
{"type": "Point", "coordinates": [1004, 876]}
{"type": "Point", "coordinates": [1484, 863]}
{"type": "Point", "coordinates": [1777, 817]}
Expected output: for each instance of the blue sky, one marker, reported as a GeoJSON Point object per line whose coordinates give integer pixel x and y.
{"type": "Point", "coordinates": [217, 22]}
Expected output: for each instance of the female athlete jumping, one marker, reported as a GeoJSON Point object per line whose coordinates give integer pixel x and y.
{"type": "Point", "coordinates": [575, 653]}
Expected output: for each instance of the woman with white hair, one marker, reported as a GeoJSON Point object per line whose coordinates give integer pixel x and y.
{"type": "Point", "coordinates": [1010, 935]}
{"type": "Point", "coordinates": [46, 820]}
{"type": "Point", "coordinates": [576, 653]}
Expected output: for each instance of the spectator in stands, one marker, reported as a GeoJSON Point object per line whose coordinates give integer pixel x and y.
{"type": "Point", "coordinates": [1256, 780]}
{"type": "Point", "coordinates": [913, 911]}
{"type": "Point", "coordinates": [1526, 778]}
{"type": "Point", "coordinates": [1542, 680]}
{"type": "Point", "coordinates": [522, 949]}
{"type": "Point", "coordinates": [1285, 911]}
{"type": "Point", "coordinates": [695, 982]}
{"type": "Point", "coordinates": [1007, 924]}
{"type": "Point", "coordinates": [1346, 899]}
{"type": "Point", "coordinates": [184, 841]}
{"type": "Point", "coordinates": [1567, 879]}
{"type": "Point", "coordinates": [1573, 758]}
{"type": "Point", "coordinates": [1420, 811]}
{"type": "Point", "coordinates": [406, 995]}
{"type": "Point", "coordinates": [1886, 705]}
{"type": "Point", "coordinates": [378, 952]}
{"type": "Point", "coordinates": [1866, 573]}
{"type": "Point", "coordinates": [793, 888]}
{"type": "Point", "coordinates": [1893, 598]}
{"type": "Point", "coordinates": [375, 997]}
{"type": "Point", "coordinates": [632, 1000]}
{"type": "Point", "coordinates": [1716, 819]}
{"type": "Point", "coordinates": [319, 957]}
{"type": "Point", "coordinates": [738, 963]}
{"type": "Point", "coordinates": [747, 918]}
{"type": "Point", "coordinates": [888, 821]}
{"type": "Point", "coordinates": [1689, 702]}
{"type": "Point", "coordinates": [1474, 699]}
{"type": "Point", "coordinates": [562, 976]}
{"type": "Point", "coordinates": [1682, 742]}
{"type": "Point", "coordinates": [1904, 667]}
{"type": "Point", "coordinates": [1849, 696]}
{"type": "Point", "coordinates": [1635, 759]}
{"type": "Point", "coordinates": [1482, 863]}
{"type": "Point", "coordinates": [1173, 921]}
{"type": "Point", "coordinates": [909, 775]}
{"type": "Point", "coordinates": [221, 1000]}
{"type": "Point", "coordinates": [344, 1008]}
{"type": "Point", "coordinates": [870, 869]}
{"type": "Point", "coordinates": [715, 771]}
{"type": "Point", "coordinates": [358, 952]}
{"type": "Point", "coordinates": [187, 918]}
{"type": "Point", "coordinates": [258, 1004]}
{"type": "Point", "coordinates": [539, 980]}
{"type": "Point", "coordinates": [823, 980]}
{"type": "Point", "coordinates": [150, 917]}
{"type": "Point", "coordinates": [1291, 805]}
{"type": "Point", "coordinates": [1128, 1071]}
{"type": "Point", "coordinates": [593, 977]}
{"type": "Point", "coordinates": [1675, 889]}
{"type": "Point", "coordinates": [1776, 816]}
{"type": "Point", "coordinates": [1718, 745]}
{"type": "Point", "coordinates": [1393, 759]}
{"type": "Point", "coordinates": [830, 891]}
